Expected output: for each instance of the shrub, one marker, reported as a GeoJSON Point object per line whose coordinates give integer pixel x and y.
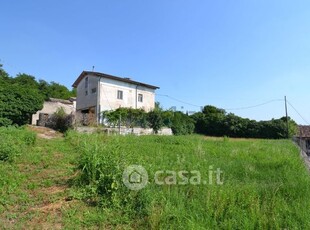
{"type": "Point", "coordinates": [5, 122]}
{"type": "Point", "coordinates": [128, 117]}
{"type": "Point", "coordinates": [60, 121]}
{"type": "Point", "coordinates": [155, 120]}
{"type": "Point", "coordinates": [182, 124]}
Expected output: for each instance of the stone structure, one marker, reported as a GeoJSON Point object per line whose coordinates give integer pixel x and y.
{"type": "Point", "coordinates": [50, 107]}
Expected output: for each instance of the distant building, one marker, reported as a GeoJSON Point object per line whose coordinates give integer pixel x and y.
{"type": "Point", "coordinates": [51, 106]}
{"type": "Point", "coordinates": [98, 92]}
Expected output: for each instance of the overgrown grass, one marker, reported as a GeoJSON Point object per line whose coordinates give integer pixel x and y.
{"type": "Point", "coordinates": [265, 184]}
{"type": "Point", "coordinates": [13, 141]}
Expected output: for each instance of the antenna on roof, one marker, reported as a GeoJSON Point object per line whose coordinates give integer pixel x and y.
{"type": "Point", "coordinates": [93, 68]}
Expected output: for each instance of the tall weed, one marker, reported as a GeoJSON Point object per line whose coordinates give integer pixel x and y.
{"type": "Point", "coordinates": [13, 141]}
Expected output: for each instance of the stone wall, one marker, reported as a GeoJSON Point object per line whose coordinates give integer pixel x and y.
{"type": "Point", "coordinates": [123, 130]}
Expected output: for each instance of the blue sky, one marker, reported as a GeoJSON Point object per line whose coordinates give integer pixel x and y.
{"type": "Point", "coordinates": [230, 54]}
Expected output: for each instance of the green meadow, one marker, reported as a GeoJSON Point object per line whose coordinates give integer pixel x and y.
{"type": "Point", "coordinates": [76, 181]}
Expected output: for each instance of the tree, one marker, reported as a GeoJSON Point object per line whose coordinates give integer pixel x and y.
{"type": "Point", "coordinates": [155, 120]}
{"type": "Point", "coordinates": [44, 88]}
{"type": "Point", "coordinates": [19, 99]}
{"type": "Point", "coordinates": [212, 119]}
{"type": "Point", "coordinates": [182, 124]}
{"type": "Point", "coordinates": [4, 77]}
{"type": "Point", "coordinates": [59, 91]}
{"type": "Point", "coordinates": [26, 80]}
{"type": "Point", "coordinates": [215, 122]}
{"type": "Point", "coordinates": [55, 90]}
{"type": "Point", "coordinates": [18, 103]}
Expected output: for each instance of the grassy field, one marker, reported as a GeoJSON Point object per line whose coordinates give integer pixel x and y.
{"type": "Point", "coordinates": [76, 182]}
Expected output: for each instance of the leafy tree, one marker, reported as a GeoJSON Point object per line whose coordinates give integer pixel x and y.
{"type": "Point", "coordinates": [167, 117]}
{"type": "Point", "coordinates": [26, 80]}
{"type": "Point", "coordinates": [212, 119]}
{"type": "Point", "coordinates": [4, 76]}
{"type": "Point", "coordinates": [155, 120]}
{"type": "Point", "coordinates": [182, 124]}
{"type": "Point", "coordinates": [22, 96]}
{"type": "Point", "coordinates": [18, 103]}
{"type": "Point", "coordinates": [44, 88]}
{"type": "Point", "coordinates": [215, 122]}
{"type": "Point", "coordinates": [73, 92]}
{"type": "Point", "coordinates": [57, 90]}
{"type": "Point", "coordinates": [210, 109]}
{"type": "Point", "coordinates": [19, 99]}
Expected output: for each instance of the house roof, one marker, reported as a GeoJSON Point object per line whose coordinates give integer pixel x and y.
{"type": "Point", "coordinates": [97, 74]}
{"type": "Point", "coordinates": [60, 100]}
{"type": "Point", "coordinates": [304, 131]}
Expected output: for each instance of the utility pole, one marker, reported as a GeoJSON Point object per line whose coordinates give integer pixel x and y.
{"type": "Point", "coordinates": [287, 128]}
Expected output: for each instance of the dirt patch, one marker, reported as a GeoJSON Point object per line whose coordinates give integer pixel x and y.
{"type": "Point", "coordinates": [54, 189]}
{"type": "Point", "coordinates": [44, 132]}
{"type": "Point", "coordinates": [50, 208]}
{"type": "Point", "coordinates": [49, 215]}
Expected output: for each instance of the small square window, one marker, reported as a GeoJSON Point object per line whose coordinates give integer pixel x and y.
{"type": "Point", "coordinates": [93, 90]}
{"type": "Point", "coordinates": [140, 97]}
{"type": "Point", "coordinates": [120, 94]}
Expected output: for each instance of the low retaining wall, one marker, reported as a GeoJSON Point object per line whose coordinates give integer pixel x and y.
{"type": "Point", "coordinates": [123, 130]}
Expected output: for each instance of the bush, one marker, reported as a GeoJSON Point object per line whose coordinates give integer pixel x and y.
{"type": "Point", "coordinates": [155, 119]}
{"type": "Point", "coordinates": [182, 124]}
{"type": "Point", "coordinates": [14, 141]}
{"type": "Point", "coordinates": [60, 121]}
{"type": "Point", "coordinates": [5, 122]}
{"type": "Point", "coordinates": [128, 117]}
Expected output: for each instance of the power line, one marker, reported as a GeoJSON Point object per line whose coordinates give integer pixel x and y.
{"type": "Point", "coordinates": [254, 106]}
{"type": "Point", "coordinates": [298, 113]}
{"type": "Point", "coordinates": [175, 99]}
{"type": "Point", "coordinates": [240, 108]}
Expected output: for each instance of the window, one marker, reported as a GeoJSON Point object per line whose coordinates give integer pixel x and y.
{"type": "Point", "coordinates": [86, 82]}
{"type": "Point", "coordinates": [140, 97]}
{"type": "Point", "coordinates": [93, 90]}
{"type": "Point", "coordinates": [86, 92]}
{"type": "Point", "coordinates": [120, 94]}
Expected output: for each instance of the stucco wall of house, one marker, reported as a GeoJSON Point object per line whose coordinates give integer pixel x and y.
{"type": "Point", "coordinates": [50, 107]}
{"type": "Point", "coordinates": [109, 100]}
{"type": "Point", "coordinates": [86, 98]}
{"type": "Point", "coordinates": [106, 98]}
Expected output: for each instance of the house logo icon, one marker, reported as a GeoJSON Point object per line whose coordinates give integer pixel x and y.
{"type": "Point", "coordinates": [135, 177]}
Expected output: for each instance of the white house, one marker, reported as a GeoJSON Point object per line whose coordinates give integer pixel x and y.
{"type": "Point", "coordinates": [98, 92]}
